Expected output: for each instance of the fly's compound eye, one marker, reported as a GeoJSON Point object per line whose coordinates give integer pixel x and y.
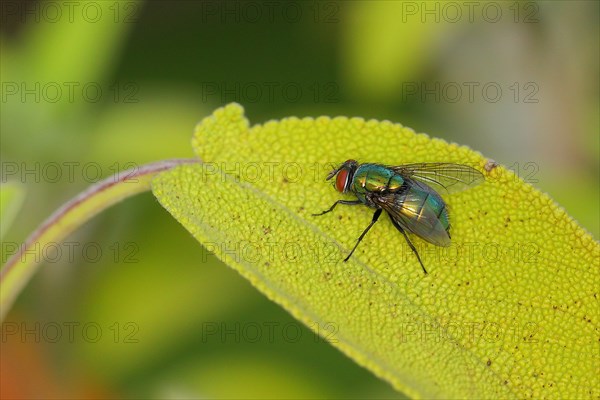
{"type": "Point", "coordinates": [341, 180]}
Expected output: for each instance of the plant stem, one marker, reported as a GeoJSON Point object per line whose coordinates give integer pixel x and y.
{"type": "Point", "coordinates": [23, 264]}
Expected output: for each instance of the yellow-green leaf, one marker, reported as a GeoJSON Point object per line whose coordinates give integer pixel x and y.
{"type": "Point", "coordinates": [509, 310]}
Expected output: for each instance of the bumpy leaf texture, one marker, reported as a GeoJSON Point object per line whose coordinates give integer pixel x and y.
{"type": "Point", "coordinates": [511, 309]}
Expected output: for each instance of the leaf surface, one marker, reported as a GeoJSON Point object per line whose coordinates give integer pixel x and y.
{"type": "Point", "coordinates": [509, 310]}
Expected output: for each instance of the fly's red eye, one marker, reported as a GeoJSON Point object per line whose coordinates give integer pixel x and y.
{"type": "Point", "coordinates": [341, 179]}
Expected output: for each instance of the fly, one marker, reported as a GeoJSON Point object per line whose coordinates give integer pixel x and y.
{"type": "Point", "coordinates": [406, 193]}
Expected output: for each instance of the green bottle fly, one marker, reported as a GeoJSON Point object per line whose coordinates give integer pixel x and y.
{"type": "Point", "coordinates": [404, 191]}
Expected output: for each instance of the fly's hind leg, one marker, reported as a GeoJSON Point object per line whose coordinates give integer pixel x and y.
{"type": "Point", "coordinates": [347, 202]}
{"type": "Point", "coordinates": [397, 225]}
{"type": "Point", "coordinates": [360, 238]}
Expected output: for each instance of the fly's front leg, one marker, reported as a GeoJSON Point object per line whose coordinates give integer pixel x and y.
{"type": "Point", "coordinates": [347, 202]}
{"type": "Point", "coordinates": [360, 238]}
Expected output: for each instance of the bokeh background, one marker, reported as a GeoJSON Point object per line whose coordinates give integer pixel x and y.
{"type": "Point", "coordinates": [89, 88]}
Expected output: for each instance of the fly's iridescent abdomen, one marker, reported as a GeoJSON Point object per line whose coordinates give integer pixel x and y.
{"type": "Point", "coordinates": [426, 213]}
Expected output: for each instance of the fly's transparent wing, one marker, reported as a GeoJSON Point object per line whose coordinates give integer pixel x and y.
{"type": "Point", "coordinates": [415, 214]}
{"type": "Point", "coordinates": [451, 177]}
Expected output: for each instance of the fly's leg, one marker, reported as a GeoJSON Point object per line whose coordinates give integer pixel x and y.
{"type": "Point", "coordinates": [347, 202]}
{"type": "Point", "coordinates": [375, 218]}
{"type": "Point", "coordinates": [397, 225]}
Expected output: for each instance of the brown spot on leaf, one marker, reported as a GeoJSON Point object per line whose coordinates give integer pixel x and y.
{"type": "Point", "coordinates": [490, 165]}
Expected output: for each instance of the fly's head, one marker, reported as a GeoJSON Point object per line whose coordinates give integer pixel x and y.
{"type": "Point", "coordinates": [344, 174]}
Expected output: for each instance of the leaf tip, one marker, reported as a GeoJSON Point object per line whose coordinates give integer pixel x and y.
{"type": "Point", "coordinates": [230, 117]}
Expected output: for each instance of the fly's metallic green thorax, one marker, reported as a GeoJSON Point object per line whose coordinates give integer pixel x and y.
{"type": "Point", "coordinates": [406, 193]}
{"type": "Point", "coordinates": [374, 178]}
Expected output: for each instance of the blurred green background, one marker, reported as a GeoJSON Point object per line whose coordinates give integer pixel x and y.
{"type": "Point", "coordinates": [89, 88]}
